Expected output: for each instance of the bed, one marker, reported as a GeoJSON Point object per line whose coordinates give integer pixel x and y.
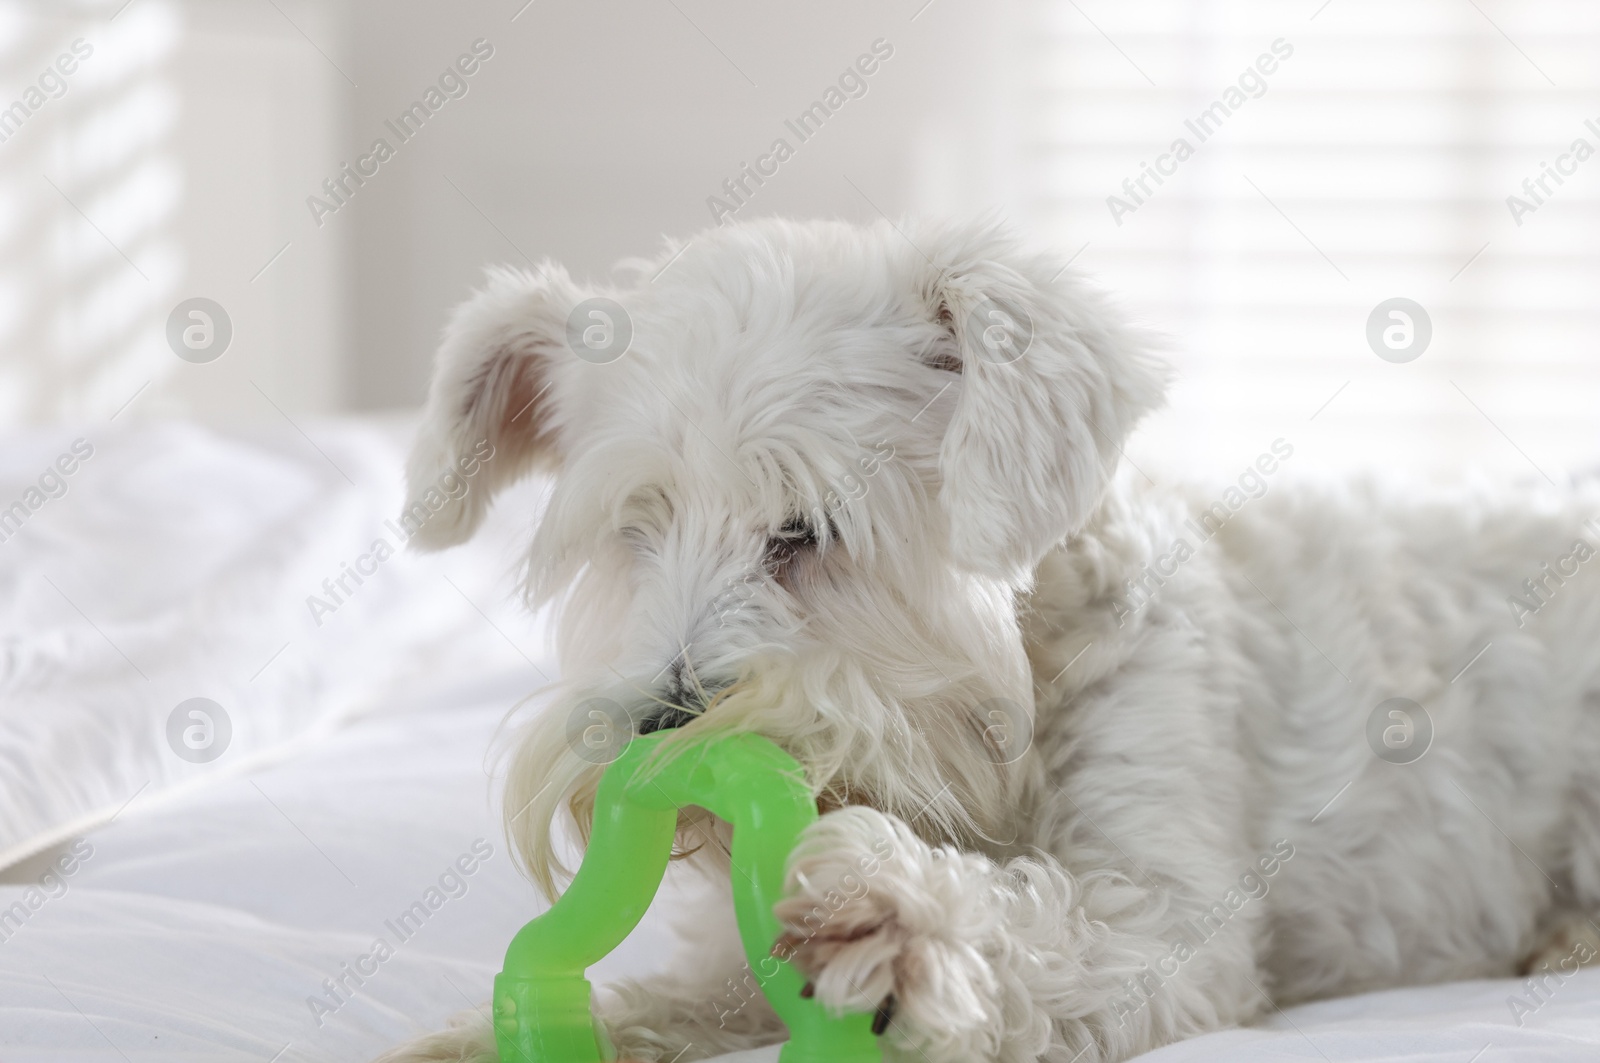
{"type": "Point", "coordinates": [184, 906]}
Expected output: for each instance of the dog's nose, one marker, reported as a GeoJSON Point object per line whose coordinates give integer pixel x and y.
{"type": "Point", "coordinates": [683, 698]}
{"type": "Point", "coordinates": [669, 715]}
{"type": "Point", "coordinates": [664, 718]}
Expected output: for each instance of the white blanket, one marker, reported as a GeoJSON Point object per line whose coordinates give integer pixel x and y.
{"type": "Point", "coordinates": [174, 563]}
{"type": "Point", "coordinates": [210, 924]}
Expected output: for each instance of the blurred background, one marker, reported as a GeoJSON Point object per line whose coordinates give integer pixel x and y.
{"type": "Point", "coordinates": [216, 286]}
{"type": "Point", "coordinates": [1374, 161]}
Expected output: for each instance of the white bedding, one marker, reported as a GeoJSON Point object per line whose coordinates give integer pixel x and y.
{"type": "Point", "coordinates": [176, 563]}
{"type": "Point", "coordinates": [203, 923]}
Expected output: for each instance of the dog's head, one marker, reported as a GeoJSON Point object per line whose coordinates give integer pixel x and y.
{"type": "Point", "coordinates": [802, 473]}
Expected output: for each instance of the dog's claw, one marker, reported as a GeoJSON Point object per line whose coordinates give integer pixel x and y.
{"type": "Point", "coordinates": [885, 1012]}
{"type": "Point", "coordinates": [808, 990]}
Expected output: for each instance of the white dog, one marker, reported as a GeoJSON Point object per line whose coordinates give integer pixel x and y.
{"type": "Point", "coordinates": [1103, 765]}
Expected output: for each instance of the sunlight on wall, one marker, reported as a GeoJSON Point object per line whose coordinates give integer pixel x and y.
{"type": "Point", "coordinates": [171, 164]}
{"type": "Point", "coordinates": [89, 188]}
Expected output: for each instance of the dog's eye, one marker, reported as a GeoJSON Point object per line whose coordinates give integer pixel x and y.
{"type": "Point", "coordinates": [795, 536]}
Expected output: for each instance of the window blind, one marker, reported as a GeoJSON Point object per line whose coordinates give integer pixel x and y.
{"type": "Point", "coordinates": [1334, 156]}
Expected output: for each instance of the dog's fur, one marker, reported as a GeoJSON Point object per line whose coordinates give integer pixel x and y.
{"type": "Point", "coordinates": [1199, 770]}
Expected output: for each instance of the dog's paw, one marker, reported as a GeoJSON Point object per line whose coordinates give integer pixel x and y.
{"type": "Point", "coordinates": [880, 921]}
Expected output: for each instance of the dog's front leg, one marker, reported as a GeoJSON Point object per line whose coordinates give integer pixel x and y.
{"type": "Point", "coordinates": [965, 959]}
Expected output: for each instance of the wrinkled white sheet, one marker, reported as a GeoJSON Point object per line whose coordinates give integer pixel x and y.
{"type": "Point", "coordinates": [200, 929]}
{"type": "Point", "coordinates": [204, 923]}
{"type": "Point", "coordinates": [176, 562]}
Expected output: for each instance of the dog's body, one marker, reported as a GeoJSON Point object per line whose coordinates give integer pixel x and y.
{"type": "Point", "coordinates": [1128, 791]}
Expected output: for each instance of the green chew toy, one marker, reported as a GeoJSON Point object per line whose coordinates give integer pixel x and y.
{"type": "Point", "coordinates": [541, 998]}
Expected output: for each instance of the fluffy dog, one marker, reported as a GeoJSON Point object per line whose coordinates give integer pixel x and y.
{"type": "Point", "coordinates": [1086, 791]}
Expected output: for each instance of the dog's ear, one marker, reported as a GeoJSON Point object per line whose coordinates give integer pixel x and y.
{"type": "Point", "coordinates": [504, 383]}
{"type": "Point", "coordinates": [1052, 382]}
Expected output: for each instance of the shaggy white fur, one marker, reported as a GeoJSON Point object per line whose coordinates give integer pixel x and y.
{"type": "Point", "coordinates": [856, 489]}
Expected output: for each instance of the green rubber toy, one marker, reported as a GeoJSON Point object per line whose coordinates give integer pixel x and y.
{"type": "Point", "coordinates": [541, 998]}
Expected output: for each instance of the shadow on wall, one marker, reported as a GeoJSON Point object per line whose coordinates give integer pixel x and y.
{"type": "Point", "coordinates": [88, 195]}
{"type": "Point", "coordinates": [145, 163]}
{"type": "Point", "coordinates": [322, 180]}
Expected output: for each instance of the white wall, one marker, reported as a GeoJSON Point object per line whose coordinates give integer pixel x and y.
{"type": "Point", "coordinates": [177, 155]}
{"type": "Point", "coordinates": [196, 133]}
{"type": "Point", "coordinates": [596, 128]}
